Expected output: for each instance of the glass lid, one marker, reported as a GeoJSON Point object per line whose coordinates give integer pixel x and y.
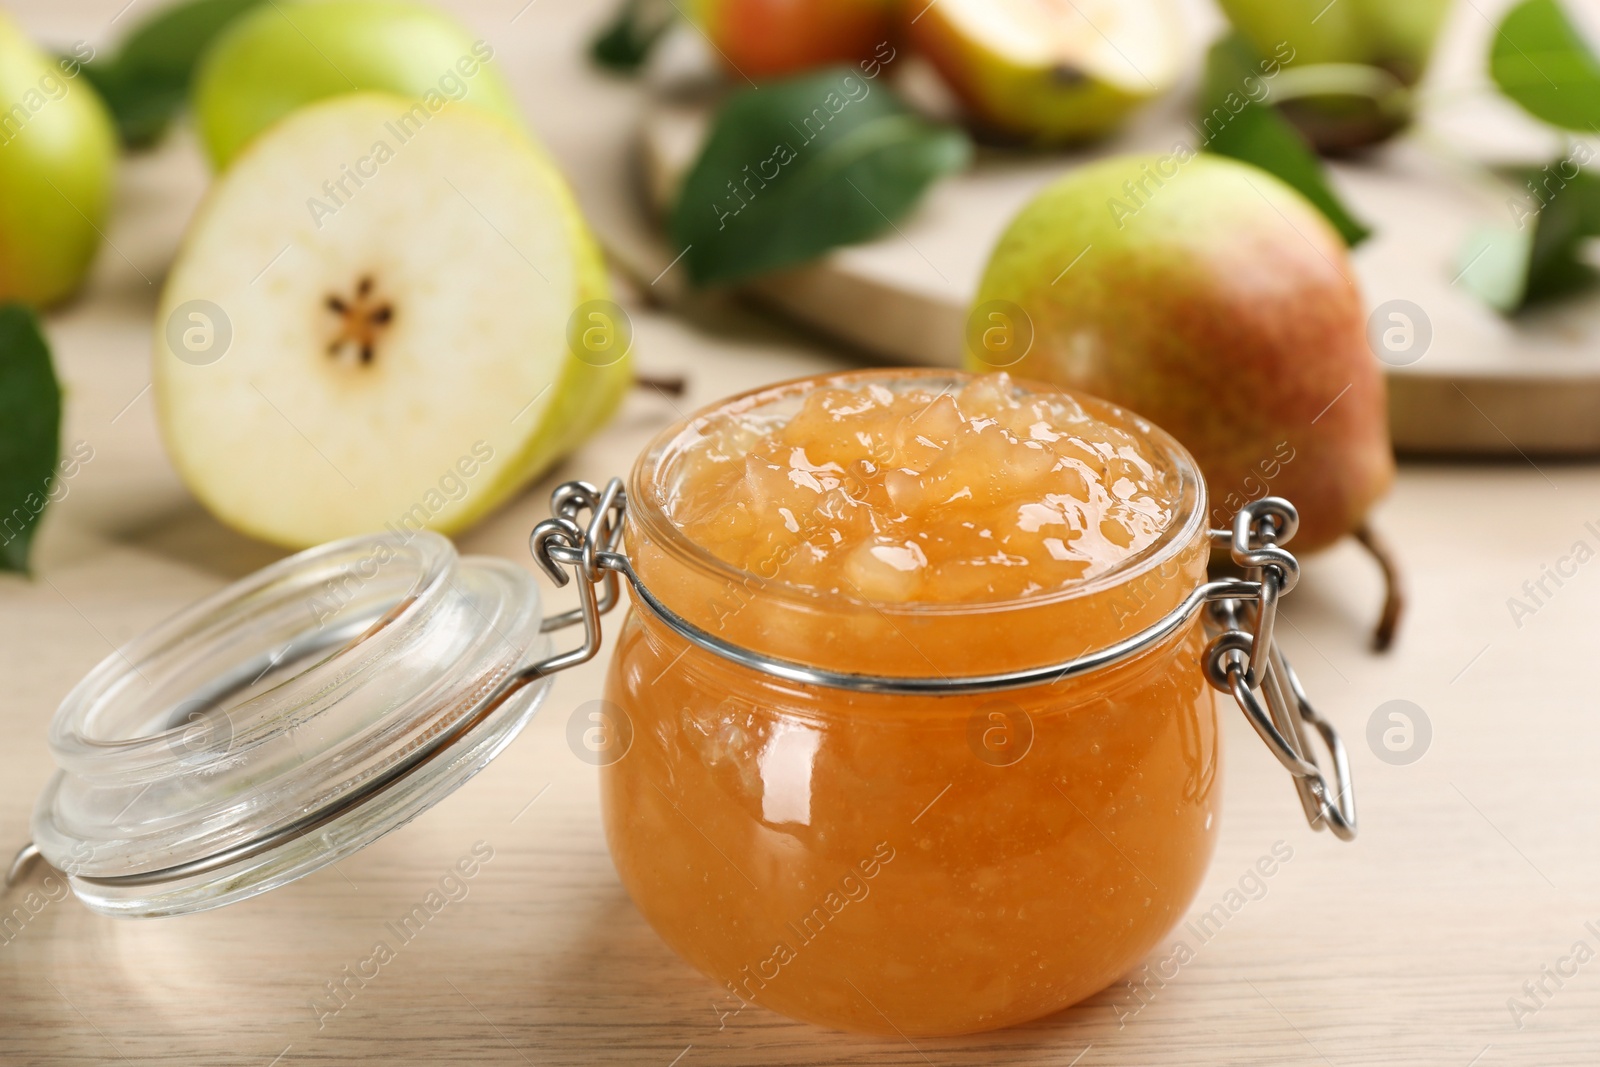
{"type": "Point", "coordinates": [286, 722]}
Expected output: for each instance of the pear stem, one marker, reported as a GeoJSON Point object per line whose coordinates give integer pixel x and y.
{"type": "Point", "coordinates": [670, 384]}
{"type": "Point", "coordinates": [1394, 600]}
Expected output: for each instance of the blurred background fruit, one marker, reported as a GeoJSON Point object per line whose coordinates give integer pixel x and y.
{"type": "Point", "coordinates": [57, 160]}
{"type": "Point", "coordinates": [766, 38]}
{"type": "Point", "coordinates": [1050, 71]}
{"type": "Point", "coordinates": [1217, 302]}
{"type": "Point", "coordinates": [282, 56]}
{"type": "Point", "coordinates": [1354, 62]}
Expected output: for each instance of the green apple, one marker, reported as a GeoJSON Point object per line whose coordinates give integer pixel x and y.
{"type": "Point", "coordinates": [369, 328]}
{"type": "Point", "coordinates": [1351, 64]}
{"type": "Point", "coordinates": [1050, 71]}
{"type": "Point", "coordinates": [58, 152]}
{"type": "Point", "coordinates": [284, 55]}
{"type": "Point", "coordinates": [1215, 300]}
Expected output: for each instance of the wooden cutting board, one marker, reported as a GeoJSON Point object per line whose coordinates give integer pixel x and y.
{"type": "Point", "coordinates": [1484, 384]}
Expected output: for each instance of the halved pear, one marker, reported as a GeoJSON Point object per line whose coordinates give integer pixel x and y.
{"type": "Point", "coordinates": [1051, 71]}
{"type": "Point", "coordinates": [368, 324]}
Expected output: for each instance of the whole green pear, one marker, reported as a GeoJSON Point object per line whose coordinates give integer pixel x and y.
{"type": "Point", "coordinates": [1214, 300]}
{"type": "Point", "coordinates": [58, 152]}
{"type": "Point", "coordinates": [1339, 107]}
{"type": "Point", "coordinates": [284, 55]}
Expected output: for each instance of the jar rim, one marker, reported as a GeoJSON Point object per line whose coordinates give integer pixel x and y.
{"type": "Point", "coordinates": [646, 497]}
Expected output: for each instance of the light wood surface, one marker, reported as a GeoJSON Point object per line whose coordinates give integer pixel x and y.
{"type": "Point", "coordinates": [1484, 384]}
{"type": "Point", "coordinates": [1476, 865]}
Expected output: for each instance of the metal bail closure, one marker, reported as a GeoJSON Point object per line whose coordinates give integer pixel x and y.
{"type": "Point", "coordinates": [1249, 664]}
{"type": "Point", "coordinates": [1241, 659]}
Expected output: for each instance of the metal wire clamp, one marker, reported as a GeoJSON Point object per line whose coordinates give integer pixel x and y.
{"type": "Point", "coordinates": [1241, 658]}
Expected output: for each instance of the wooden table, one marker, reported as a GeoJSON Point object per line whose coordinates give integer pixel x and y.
{"type": "Point", "coordinates": [1476, 866]}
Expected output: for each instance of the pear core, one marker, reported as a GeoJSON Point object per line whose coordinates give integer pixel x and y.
{"type": "Point", "coordinates": [362, 320]}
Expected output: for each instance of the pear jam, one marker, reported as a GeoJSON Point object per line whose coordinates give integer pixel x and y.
{"type": "Point", "coordinates": [952, 496]}
{"type": "Point", "coordinates": [901, 864]}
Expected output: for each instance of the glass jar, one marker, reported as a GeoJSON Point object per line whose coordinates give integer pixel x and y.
{"type": "Point", "coordinates": [928, 864]}
{"type": "Point", "coordinates": [913, 818]}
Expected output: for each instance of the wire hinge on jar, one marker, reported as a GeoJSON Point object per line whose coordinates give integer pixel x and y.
{"type": "Point", "coordinates": [1242, 658]}
{"type": "Point", "coordinates": [1250, 664]}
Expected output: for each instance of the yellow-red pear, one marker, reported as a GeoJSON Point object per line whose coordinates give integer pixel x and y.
{"type": "Point", "coordinates": [1216, 301]}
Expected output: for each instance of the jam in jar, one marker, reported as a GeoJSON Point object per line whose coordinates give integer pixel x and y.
{"type": "Point", "coordinates": [928, 863]}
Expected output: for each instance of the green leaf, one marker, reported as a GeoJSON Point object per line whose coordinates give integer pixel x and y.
{"type": "Point", "coordinates": [146, 82]}
{"type": "Point", "coordinates": [30, 431]}
{"type": "Point", "coordinates": [1555, 264]}
{"type": "Point", "coordinates": [626, 42]}
{"type": "Point", "coordinates": [801, 166]}
{"type": "Point", "coordinates": [171, 42]}
{"type": "Point", "coordinates": [1232, 124]}
{"type": "Point", "coordinates": [1540, 60]}
{"type": "Point", "coordinates": [1543, 259]}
